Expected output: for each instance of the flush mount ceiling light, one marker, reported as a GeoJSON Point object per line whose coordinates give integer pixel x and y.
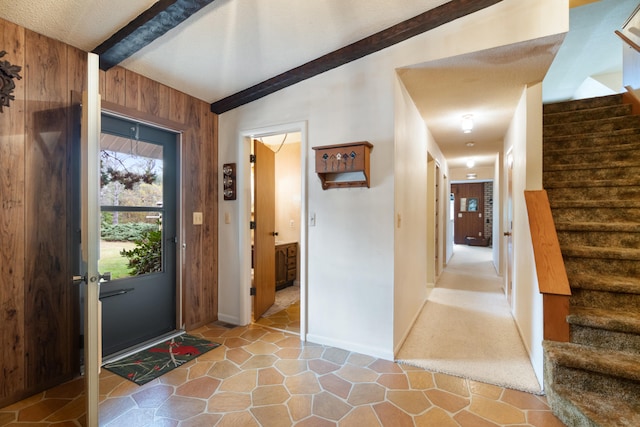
{"type": "Point", "coordinates": [470, 144]}
{"type": "Point", "coordinates": [467, 123]}
{"type": "Point", "coordinates": [471, 163]}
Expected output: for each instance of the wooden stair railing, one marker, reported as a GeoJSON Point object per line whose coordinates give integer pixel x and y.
{"type": "Point", "coordinates": [553, 282]}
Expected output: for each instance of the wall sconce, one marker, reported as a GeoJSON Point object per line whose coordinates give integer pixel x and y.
{"type": "Point", "coordinates": [467, 123]}
{"type": "Point", "coordinates": [229, 181]}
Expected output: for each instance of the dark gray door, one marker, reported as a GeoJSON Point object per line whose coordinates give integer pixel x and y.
{"type": "Point", "coordinates": [138, 198]}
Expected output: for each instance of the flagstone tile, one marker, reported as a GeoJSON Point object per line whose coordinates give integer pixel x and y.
{"type": "Point", "coordinates": [336, 385]}
{"type": "Point", "coordinates": [270, 376]}
{"type": "Point", "coordinates": [291, 366]}
{"type": "Point", "coordinates": [124, 388]}
{"type": "Point", "coordinates": [304, 383]}
{"type": "Point", "coordinates": [223, 402]}
{"type": "Point", "coordinates": [69, 390]}
{"type": "Point", "coordinates": [311, 352]}
{"type": "Point", "coordinates": [420, 380]}
{"type": "Point", "coordinates": [453, 384]}
{"type": "Point", "coordinates": [201, 388]}
{"type": "Point", "coordinates": [467, 419]}
{"type": "Point", "coordinates": [322, 367]}
{"type": "Point", "coordinates": [360, 417]}
{"type": "Point", "coordinates": [238, 355]}
{"type": "Point", "coordinates": [42, 409]}
{"type": "Point", "coordinates": [299, 406]}
{"type": "Point", "coordinates": [411, 401]}
{"type": "Point", "coordinates": [522, 400]}
{"type": "Point", "coordinates": [272, 416]}
{"type": "Point", "coordinates": [69, 412]}
{"type": "Point", "coordinates": [328, 406]}
{"type": "Point", "coordinates": [259, 348]}
{"type": "Point", "coordinates": [357, 374]}
{"type": "Point", "coordinates": [181, 408]}
{"type": "Point", "coordinates": [289, 342]}
{"type": "Point", "coordinates": [201, 420]}
{"type": "Point", "coordinates": [236, 419]}
{"type": "Point", "coordinates": [254, 334]}
{"type": "Point", "coordinates": [136, 416]}
{"type": "Point", "coordinates": [222, 370]}
{"type": "Point", "coordinates": [448, 401]}
{"type": "Point", "coordinates": [199, 369]}
{"type": "Point", "coordinates": [487, 390]}
{"type": "Point", "coordinates": [152, 397]}
{"type": "Point", "coordinates": [244, 381]}
{"type": "Point", "coordinates": [366, 393]}
{"type": "Point", "coordinates": [111, 409]}
{"type": "Point", "coordinates": [235, 342]}
{"type": "Point", "coordinates": [214, 355]}
{"type": "Point", "coordinates": [499, 412]}
{"type": "Point", "coordinates": [261, 361]}
{"type": "Point", "coordinates": [543, 419]}
{"type": "Point", "coordinates": [385, 367]}
{"type": "Point", "coordinates": [435, 417]}
{"type": "Point", "coordinates": [315, 422]}
{"type": "Point", "coordinates": [361, 360]}
{"type": "Point", "coordinates": [176, 377]}
{"type": "Point", "coordinates": [394, 381]}
{"type": "Point", "coordinates": [289, 353]}
{"type": "Point", "coordinates": [336, 355]}
{"type": "Point", "coordinates": [391, 415]}
{"type": "Point", "coordinates": [7, 417]}
{"type": "Point", "coordinates": [269, 395]}
{"type": "Point", "coordinates": [273, 337]}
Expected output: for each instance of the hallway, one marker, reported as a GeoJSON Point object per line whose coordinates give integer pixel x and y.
{"type": "Point", "coordinates": [466, 327]}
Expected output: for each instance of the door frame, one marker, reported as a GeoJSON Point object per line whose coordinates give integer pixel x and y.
{"type": "Point", "coordinates": [244, 202]}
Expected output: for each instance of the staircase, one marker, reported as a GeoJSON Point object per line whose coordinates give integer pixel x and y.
{"type": "Point", "coordinates": [592, 177]}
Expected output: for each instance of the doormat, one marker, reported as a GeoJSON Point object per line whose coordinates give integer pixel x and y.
{"type": "Point", "coordinates": [147, 365]}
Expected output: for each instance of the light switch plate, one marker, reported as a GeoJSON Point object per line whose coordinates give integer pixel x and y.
{"type": "Point", "coordinates": [197, 218]}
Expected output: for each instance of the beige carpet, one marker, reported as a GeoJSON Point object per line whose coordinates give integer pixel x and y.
{"type": "Point", "coordinates": [466, 328]}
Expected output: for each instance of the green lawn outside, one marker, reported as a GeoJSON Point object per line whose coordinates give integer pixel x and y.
{"type": "Point", "coordinates": [111, 260]}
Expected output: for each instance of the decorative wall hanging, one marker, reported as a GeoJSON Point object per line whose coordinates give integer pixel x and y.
{"type": "Point", "coordinates": [229, 181]}
{"type": "Point", "coordinates": [343, 165]}
{"type": "Point", "coordinates": [8, 72]}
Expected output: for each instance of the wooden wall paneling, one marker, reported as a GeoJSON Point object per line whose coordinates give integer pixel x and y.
{"type": "Point", "coordinates": [193, 202]}
{"type": "Point", "coordinates": [47, 299]}
{"type": "Point", "coordinates": [12, 227]}
{"type": "Point", "coordinates": [164, 104]}
{"type": "Point", "coordinates": [132, 90]}
{"type": "Point", "coordinates": [178, 106]}
{"type": "Point", "coordinates": [149, 96]}
{"type": "Point", "coordinates": [210, 244]}
{"type": "Point", "coordinates": [114, 89]}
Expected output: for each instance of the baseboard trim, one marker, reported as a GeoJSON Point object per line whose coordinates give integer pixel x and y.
{"type": "Point", "coordinates": [234, 320]}
{"type": "Point", "coordinates": [348, 346]}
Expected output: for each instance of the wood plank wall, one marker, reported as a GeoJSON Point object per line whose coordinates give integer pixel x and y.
{"type": "Point", "coordinates": [39, 318]}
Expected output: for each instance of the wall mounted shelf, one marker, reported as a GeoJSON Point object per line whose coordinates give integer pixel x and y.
{"type": "Point", "coordinates": [343, 165]}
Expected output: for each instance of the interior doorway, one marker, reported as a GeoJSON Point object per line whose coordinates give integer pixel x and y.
{"type": "Point", "coordinates": [276, 213]}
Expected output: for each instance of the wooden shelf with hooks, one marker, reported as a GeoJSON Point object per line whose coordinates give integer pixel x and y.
{"type": "Point", "coordinates": [344, 165]}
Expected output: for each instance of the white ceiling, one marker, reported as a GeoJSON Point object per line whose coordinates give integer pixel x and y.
{"type": "Point", "coordinates": [231, 45]}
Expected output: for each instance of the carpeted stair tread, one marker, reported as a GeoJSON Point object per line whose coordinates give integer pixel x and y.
{"type": "Point", "coordinates": [608, 283]}
{"type": "Point", "coordinates": [590, 127]}
{"type": "Point", "coordinates": [582, 251]}
{"type": "Point", "coordinates": [564, 167]}
{"type": "Point", "coordinates": [602, 412]}
{"type": "Point", "coordinates": [627, 227]}
{"type": "Point", "coordinates": [597, 113]}
{"type": "Point", "coordinates": [593, 204]}
{"type": "Point", "coordinates": [582, 104]}
{"type": "Point", "coordinates": [630, 182]}
{"type": "Point", "coordinates": [615, 146]}
{"type": "Point", "coordinates": [618, 321]}
{"type": "Point", "coordinates": [613, 363]}
{"type": "Point", "coordinates": [614, 138]}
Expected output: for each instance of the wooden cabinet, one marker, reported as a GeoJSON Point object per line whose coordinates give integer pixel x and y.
{"type": "Point", "coordinates": [286, 264]}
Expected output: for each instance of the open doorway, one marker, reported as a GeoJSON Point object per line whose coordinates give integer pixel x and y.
{"type": "Point", "coordinates": [276, 212]}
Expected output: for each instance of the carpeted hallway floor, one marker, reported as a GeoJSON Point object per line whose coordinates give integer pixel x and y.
{"type": "Point", "coordinates": [466, 328]}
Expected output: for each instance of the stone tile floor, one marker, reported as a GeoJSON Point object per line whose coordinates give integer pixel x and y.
{"type": "Point", "coordinates": [284, 320]}
{"type": "Point", "coordinates": [263, 377]}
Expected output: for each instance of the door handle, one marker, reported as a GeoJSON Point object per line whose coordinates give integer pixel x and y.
{"type": "Point", "coordinates": [507, 233]}
{"type": "Point", "coordinates": [274, 233]}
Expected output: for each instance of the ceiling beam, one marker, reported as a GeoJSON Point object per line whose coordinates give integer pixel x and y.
{"type": "Point", "coordinates": [148, 26]}
{"type": "Point", "coordinates": [412, 27]}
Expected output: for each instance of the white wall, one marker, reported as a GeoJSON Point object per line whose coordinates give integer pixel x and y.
{"type": "Point", "coordinates": [350, 280]}
{"type": "Point", "coordinates": [525, 138]}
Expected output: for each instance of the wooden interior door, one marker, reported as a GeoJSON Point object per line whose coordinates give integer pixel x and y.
{"type": "Point", "coordinates": [469, 211]}
{"type": "Point", "coordinates": [264, 239]}
{"type": "Point", "coordinates": [508, 227]}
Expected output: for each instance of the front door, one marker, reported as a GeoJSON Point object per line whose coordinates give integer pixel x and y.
{"type": "Point", "coordinates": [469, 209]}
{"type": "Point", "coordinates": [264, 233]}
{"type": "Point", "coordinates": [138, 170]}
